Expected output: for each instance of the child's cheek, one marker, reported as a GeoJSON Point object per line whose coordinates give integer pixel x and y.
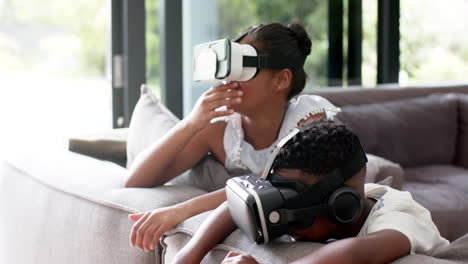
{"type": "Point", "coordinates": [319, 231]}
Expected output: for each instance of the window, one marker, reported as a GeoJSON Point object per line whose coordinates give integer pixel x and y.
{"type": "Point", "coordinates": [214, 19]}
{"type": "Point", "coordinates": [369, 43]}
{"type": "Point", "coordinates": [152, 46]}
{"type": "Point", "coordinates": [52, 67]}
{"type": "Point", "coordinates": [433, 44]}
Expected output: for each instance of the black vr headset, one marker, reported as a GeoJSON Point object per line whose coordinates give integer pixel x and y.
{"type": "Point", "coordinates": [226, 60]}
{"type": "Point", "coordinates": [269, 206]}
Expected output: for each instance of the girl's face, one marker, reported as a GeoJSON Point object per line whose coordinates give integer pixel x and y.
{"type": "Point", "coordinates": [258, 91]}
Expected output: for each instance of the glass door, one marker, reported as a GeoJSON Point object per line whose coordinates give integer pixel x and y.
{"type": "Point", "coordinates": [53, 71]}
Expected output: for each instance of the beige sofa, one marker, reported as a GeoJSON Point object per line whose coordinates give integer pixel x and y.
{"type": "Point", "coordinates": [63, 207]}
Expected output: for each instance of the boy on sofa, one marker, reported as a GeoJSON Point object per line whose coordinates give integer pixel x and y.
{"type": "Point", "coordinates": [390, 225]}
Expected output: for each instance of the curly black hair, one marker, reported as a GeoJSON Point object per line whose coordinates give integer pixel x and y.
{"type": "Point", "coordinates": [319, 148]}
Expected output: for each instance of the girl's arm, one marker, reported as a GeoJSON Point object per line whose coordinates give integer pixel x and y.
{"type": "Point", "coordinates": [380, 247]}
{"type": "Point", "coordinates": [155, 165]}
{"type": "Point", "coordinates": [186, 143]}
{"type": "Point", "coordinates": [214, 229]}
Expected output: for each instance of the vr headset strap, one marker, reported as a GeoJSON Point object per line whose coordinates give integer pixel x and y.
{"type": "Point", "coordinates": [284, 182]}
{"type": "Point", "coordinates": [276, 150]}
{"type": "Point", "coordinates": [355, 165]}
{"type": "Point", "coordinates": [269, 62]}
{"type": "Point", "coordinates": [316, 193]}
{"type": "Point", "coordinates": [292, 215]}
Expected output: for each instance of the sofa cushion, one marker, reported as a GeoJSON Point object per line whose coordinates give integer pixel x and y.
{"type": "Point", "coordinates": [462, 139]}
{"type": "Point", "coordinates": [413, 132]}
{"type": "Point", "coordinates": [273, 252]}
{"type": "Point", "coordinates": [281, 250]}
{"type": "Point", "coordinates": [379, 169]}
{"type": "Point", "coordinates": [443, 190]}
{"type": "Point", "coordinates": [150, 121]}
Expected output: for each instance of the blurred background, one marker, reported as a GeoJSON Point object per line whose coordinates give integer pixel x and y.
{"type": "Point", "coordinates": [66, 66]}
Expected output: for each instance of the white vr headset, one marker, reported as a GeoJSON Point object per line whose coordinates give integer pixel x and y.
{"type": "Point", "coordinates": [225, 60]}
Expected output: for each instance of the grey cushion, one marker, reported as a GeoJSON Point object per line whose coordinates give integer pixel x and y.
{"type": "Point", "coordinates": [443, 190]}
{"type": "Point", "coordinates": [383, 93]}
{"type": "Point", "coordinates": [278, 251]}
{"type": "Point", "coordinates": [457, 251]}
{"type": "Point", "coordinates": [150, 120]}
{"type": "Point", "coordinates": [379, 169]}
{"type": "Point", "coordinates": [400, 131]}
{"type": "Point", "coordinates": [462, 139]}
{"type": "Point", "coordinates": [281, 250]}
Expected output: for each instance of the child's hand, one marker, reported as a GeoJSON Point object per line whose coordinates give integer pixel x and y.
{"type": "Point", "coordinates": [151, 225]}
{"type": "Point", "coordinates": [234, 257]}
{"type": "Point", "coordinates": [222, 95]}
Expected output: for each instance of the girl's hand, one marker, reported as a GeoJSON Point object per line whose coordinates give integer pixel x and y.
{"type": "Point", "coordinates": [151, 225]}
{"type": "Point", "coordinates": [204, 110]}
{"type": "Point", "coordinates": [234, 257]}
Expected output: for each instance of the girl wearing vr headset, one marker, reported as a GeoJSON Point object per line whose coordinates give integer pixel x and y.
{"type": "Point", "coordinates": [386, 225]}
{"type": "Point", "coordinates": [257, 113]}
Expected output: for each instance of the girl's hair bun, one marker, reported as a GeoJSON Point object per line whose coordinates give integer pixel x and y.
{"type": "Point", "coordinates": [303, 40]}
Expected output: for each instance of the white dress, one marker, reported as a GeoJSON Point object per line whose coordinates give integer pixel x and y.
{"type": "Point", "coordinates": [240, 155]}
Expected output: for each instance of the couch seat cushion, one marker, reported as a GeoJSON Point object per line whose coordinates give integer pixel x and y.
{"type": "Point", "coordinates": [443, 190]}
{"type": "Point", "coordinates": [281, 250]}
{"type": "Point", "coordinates": [273, 252]}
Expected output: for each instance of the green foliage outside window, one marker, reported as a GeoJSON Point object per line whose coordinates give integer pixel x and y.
{"type": "Point", "coordinates": [236, 16]}
{"type": "Point", "coordinates": [54, 36]}
{"type": "Point", "coordinates": [433, 46]}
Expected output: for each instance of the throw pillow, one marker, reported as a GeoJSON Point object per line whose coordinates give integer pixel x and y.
{"type": "Point", "coordinates": [150, 121]}
{"type": "Point", "coordinates": [412, 132]}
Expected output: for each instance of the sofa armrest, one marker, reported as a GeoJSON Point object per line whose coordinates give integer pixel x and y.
{"type": "Point", "coordinates": [96, 180]}
{"type": "Point", "coordinates": [63, 207]}
{"type": "Point", "coordinates": [106, 145]}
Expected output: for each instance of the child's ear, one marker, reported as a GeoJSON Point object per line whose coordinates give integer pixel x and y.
{"type": "Point", "coordinates": [284, 80]}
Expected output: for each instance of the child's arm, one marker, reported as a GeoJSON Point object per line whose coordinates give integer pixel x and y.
{"type": "Point", "coordinates": [380, 247]}
{"type": "Point", "coordinates": [214, 229]}
{"type": "Point", "coordinates": [186, 143]}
